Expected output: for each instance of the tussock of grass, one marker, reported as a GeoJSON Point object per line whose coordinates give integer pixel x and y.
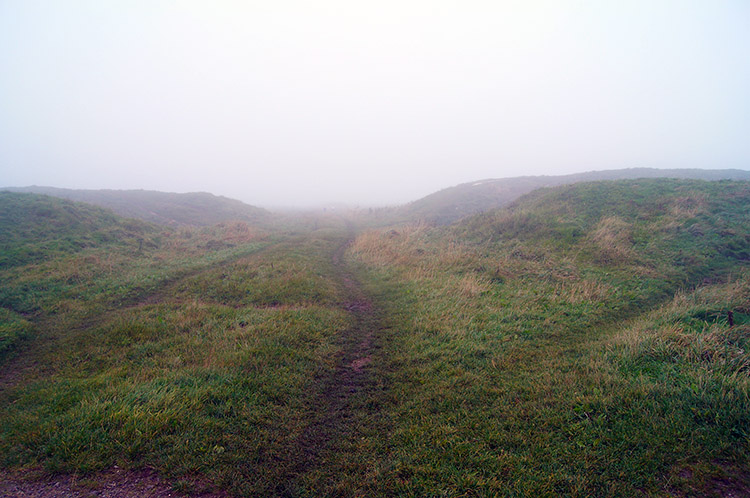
{"type": "Point", "coordinates": [614, 238]}
{"type": "Point", "coordinates": [13, 329]}
{"type": "Point", "coordinates": [581, 291]}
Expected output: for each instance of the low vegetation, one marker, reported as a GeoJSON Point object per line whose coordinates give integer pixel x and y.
{"type": "Point", "coordinates": [190, 353]}
{"type": "Point", "coordinates": [510, 365]}
{"type": "Point", "coordinates": [588, 340]}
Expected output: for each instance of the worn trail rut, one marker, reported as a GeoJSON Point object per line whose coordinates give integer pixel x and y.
{"type": "Point", "coordinates": [343, 401]}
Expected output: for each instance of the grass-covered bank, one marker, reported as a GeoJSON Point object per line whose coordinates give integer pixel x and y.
{"type": "Point", "coordinates": [508, 376]}
{"type": "Point", "coordinates": [191, 351]}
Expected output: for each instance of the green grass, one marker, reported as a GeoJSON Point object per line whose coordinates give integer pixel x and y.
{"type": "Point", "coordinates": [501, 380]}
{"type": "Point", "coordinates": [194, 379]}
{"type": "Point", "coordinates": [193, 355]}
{"type": "Point", "coordinates": [200, 389]}
{"type": "Point", "coordinates": [574, 344]}
{"type": "Point", "coordinates": [13, 330]}
{"type": "Point", "coordinates": [37, 228]}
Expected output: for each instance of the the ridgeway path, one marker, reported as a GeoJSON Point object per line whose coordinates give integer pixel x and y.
{"type": "Point", "coordinates": [343, 402]}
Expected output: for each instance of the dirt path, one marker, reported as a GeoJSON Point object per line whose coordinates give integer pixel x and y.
{"type": "Point", "coordinates": [115, 483]}
{"type": "Point", "coordinates": [343, 401]}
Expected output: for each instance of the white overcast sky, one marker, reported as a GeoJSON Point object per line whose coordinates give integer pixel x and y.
{"type": "Point", "coordinates": [281, 102]}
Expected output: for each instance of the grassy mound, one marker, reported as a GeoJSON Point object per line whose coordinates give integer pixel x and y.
{"type": "Point", "coordinates": [37, 227]}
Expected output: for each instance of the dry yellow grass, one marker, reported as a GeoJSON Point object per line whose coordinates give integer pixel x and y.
{"type": "Point", "coordinates": [688, 206]}
{"type": "Point", "coordinates": [472, 286]}
{"type": "Point", "coordinates": [581, 291]}
{"type": "Point", "coordinates": [239, 233]}
{"type": "Point", "coordinates": [613, 236]}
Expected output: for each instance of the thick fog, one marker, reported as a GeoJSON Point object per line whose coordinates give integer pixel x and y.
{"type": "Point", "coordinates": [295, 103]}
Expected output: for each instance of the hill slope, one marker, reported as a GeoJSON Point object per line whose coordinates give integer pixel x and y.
{"type": "Point", "coordinates": [54, 251]}
{"type": "Point", "coordinates": [164, 208]}
{"type": "Point", "coordinates": [38, 227]}
{"type": "Point", "coordinates": [457, 202]}
{"type": "Point", "coordinates": [575, 344]}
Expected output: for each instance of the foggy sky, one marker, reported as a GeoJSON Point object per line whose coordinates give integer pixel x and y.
{"type": "Point", "coordinates": [297, 103]}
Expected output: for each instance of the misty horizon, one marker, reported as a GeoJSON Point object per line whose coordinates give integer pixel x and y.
{"type": "Point", "coordinates": [296, 105]}
{"type": "Point", "coordinates": [501, 186]}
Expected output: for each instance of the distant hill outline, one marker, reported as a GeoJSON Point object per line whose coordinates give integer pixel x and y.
{"type": "Point", "coordinates": [164, 208]}
{"type": "Point", "coordinates": [453, 203]}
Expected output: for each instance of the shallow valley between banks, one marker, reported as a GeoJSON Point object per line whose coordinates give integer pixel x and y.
{"type": "Point", "coordinates": [576, 344]}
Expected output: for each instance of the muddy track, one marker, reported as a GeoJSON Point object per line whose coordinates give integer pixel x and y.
{"type": "Point", "coordinates": [338, 407]}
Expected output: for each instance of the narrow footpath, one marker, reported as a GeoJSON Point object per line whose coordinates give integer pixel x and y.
{"type": "Point", "coordinates": [343, 403]}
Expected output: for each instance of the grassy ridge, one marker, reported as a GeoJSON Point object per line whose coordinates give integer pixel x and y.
{"type": "Point", "coordinates": [454, 203]}
{"type": "Point", "coordinates": [163, 208]}
{"type": "Point", "coordinates": [500, 364]}
{"type": "Point", "coordinates": [36, 228]}
{"type": "Point", "coordinates": [191, 354]}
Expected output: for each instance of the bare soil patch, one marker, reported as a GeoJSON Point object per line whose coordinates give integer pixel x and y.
{"type": "Point", "coordinates": [115, 483]}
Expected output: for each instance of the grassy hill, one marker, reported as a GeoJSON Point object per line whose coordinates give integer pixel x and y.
{"type": "Point", "coordinates": [575, 344]}
{"type": "Point", "coordinates": [37, 227]}
{"type": "Point", "coordinates": [578, 342]}
{"type": "Point", "coordinates": [457, 202]}
{"type": "Point", "coordinates": [56, 254]}
{"type": "Point", "coordinates": [192, 209]}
